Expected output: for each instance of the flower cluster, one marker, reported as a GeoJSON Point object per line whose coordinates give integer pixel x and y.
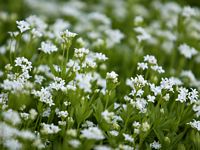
{"type": "Point", "coordinates": [109, 75]}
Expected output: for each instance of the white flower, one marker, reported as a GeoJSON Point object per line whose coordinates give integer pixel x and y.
{"type": "Point", "coordinates": [155, 89]}
{"type": "Point", "coordinates": [62, 123]}
{"type": "Point", "coordinates": [193, 96]}
{"type": "Point", "coordinates": [11, 116]}
{"type": "Point", "coordinates": [150, 59]}
{"type": "Point", "coordinates": [46, 112]}
{"type": "Point", "coordinates": [155, 145]}
{"type": "Point", "coordinates": [39, 79]}
{"type": "Point", "coordinates": [62, 114]}
{"type": "Point", "coordinates": [33, 113]}
{"type": "Point", "coordinates": [140, 104]}
{"type": "Point", "coordinates": [102, 147]}
{"type": "Point", "coordinates": [113, 76]}
{"type": "Point", "coordinates": [151, 98]}
{"type": "Point", "coordinates": [189, 12]}
{"type": "Point", "coordinates": [125, 147]}
{"type": "Point", "coordinates": [100, 56]}
{"type": "Point", "coordinates": [195, 124]}
{"type": "Point", "coordinates": [23, 63]}
{"type": "Point", "coordinates": [80, 52]}
{"type": "Point", "coordinates": [113, 37]}
{"type": "Point", "coordinates": [143, 35]}
{"type": "Point", "coordinates": [24, 115]}
{"type": "Point", "coordinates": [92, 133]}
{"type": "Point", "coordinates": [74, 143]}
{"type": "Point", "coordinates": [187, 51]}
{"type": "Point", "coordinates": [114, 133]}
{"type": "Point", "coordinates": [139, 81]}
{"type": "Point", "coordinates": [72, 132]}
{"type": "Point", "coordinates": [167, 83]}
{"type": "Point", "coordinates": [84, 81]}
{"type": "Point", "coordinates": [108, 116]}
{"type": "Point", "coordinates": [12, 144]}
{"type": "Point", "coordinates": [136, 124]}
{"type": "Point", "coordinates": [45, 96]}
{"type": "Point", "coordinates": [139, 93]}
{"type": "Point", "coordinates": [157, 68]}
{"type": "Point", "coordinates": [196, 108]}
{"type": "Point", "coordinates": [182, 96]}
{"type": "Point", "coordinates": [58, 84]}
{"type": "Point", "coordinates": [49, 128]}
{"type": "Point", "coordinates": [128, 137]}
{"type": "Point", "coordinates": [142, 66]}
{"type": "Point", "coordinates": [88, 124]}
{"type": "Point", "coordinates": [23, 26]}
{"type": "Point", "coordinates": [145, 126]}
{"type": "Point", "coordinates": [166, 97]}
{"type": "Point", "coordinates": [67, 34]}
{"type": "Point", "coordinates": [138, 19]}
{"type": "Point", "coordinates": [27, 135]}
{"type": "Point", "coordinates": [48, 47]}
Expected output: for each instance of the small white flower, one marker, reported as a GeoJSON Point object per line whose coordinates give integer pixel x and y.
{"type": "Point", "coordinates": [74, 143]}
{"type": "Point", "coordinates": [23, 26]}
{"type": "Point", "coordinates": [167, 83]}
{"type": "Point", "coordinates": [45, 96]}
{"type": "Point", "coordinates": [136, 124]}
{"type": "Point", "coordinates": [62, 123]}
{"type": "Point", "coordinates": [113, 37]}
{"type": "Point", "coordinates": [39, 79]}
{"type": "Point", "coordinates": [151, 98]}
{"type": "Point", "coordinates": [108, 116]}
{"type": "Point", "coordinates": [114, 133]}
{"type": "Point", "coordinates": [12, 144]}
{"type": "Point", "coordinates": [166, 97]}
{"type": "Point", "coordinates": [33, 113]}
{"type": "Point", "coordinates": [187, 51]}
{"type": "Point", "coordinates": [138, 19]}
{"type": "Point", "coordinates": [139, 81]}
{"type": "Point", "coordinates": [102, 147]}
{"type": "Point", "coordinates": [24, 115]}
{"type": "Point", "coordinates": [48, 47]}
{"type": "Point", "coordinates": [155, 145]}
{"type": "Point", "coordinates": [113, 76]}
{"type": "Point", "coordinates": [189, 12]}
{"type": "Point", "coordinates": [58, 84]}
{"type": "Point", "coordinates": [12, 116]}
{"type": "Point", "coordinates": [72, 132]}
{"type": "Point", "coordinates": [92, 133]}
{"type": "Point", "coordinates": [62, 114]}
{"type": "Point", "coordinates": [100, 56]}
{"type": "Point", "coordinates": [195, 124]}
{"type": "Point", "coordinates": [157, 68]}
{"type": "Point", "coordinates": [80, 52]}
{"type": "Point", "coordinates": [128, 137]}
{"type": "Point", "coordinates": [67, 34]}
{"type": "Point", "coordinates": [142, 66]}
{"type": "Point", "coordinates": [23, 63]}
{"type": "Point", "coordinates": [143, 35]}
{"type": "Point", "coordinates": [182, 96]}
{"type": "Point", "coordinates": [145, 126]}
{"type": "Point", "coordinates": [196, 109]}
{"type": "Point", "coordinates": [193, 96]}
{"type": "Point", "coordinates": [49, 128]}
{"type": "Point", "coordinates": [150, 59]}
{"type": "Point", "coordinates": [140, 104]}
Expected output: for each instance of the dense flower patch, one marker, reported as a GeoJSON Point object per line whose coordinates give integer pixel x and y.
{"type": "Point", "coordinates": [100, 75]}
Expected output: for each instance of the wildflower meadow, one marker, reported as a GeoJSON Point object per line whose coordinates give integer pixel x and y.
{"type": "Point", "coordinates": [99, 75]}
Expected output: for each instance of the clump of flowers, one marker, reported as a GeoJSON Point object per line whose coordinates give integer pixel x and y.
{"type": "Point", "coordinates": [105, 75]}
